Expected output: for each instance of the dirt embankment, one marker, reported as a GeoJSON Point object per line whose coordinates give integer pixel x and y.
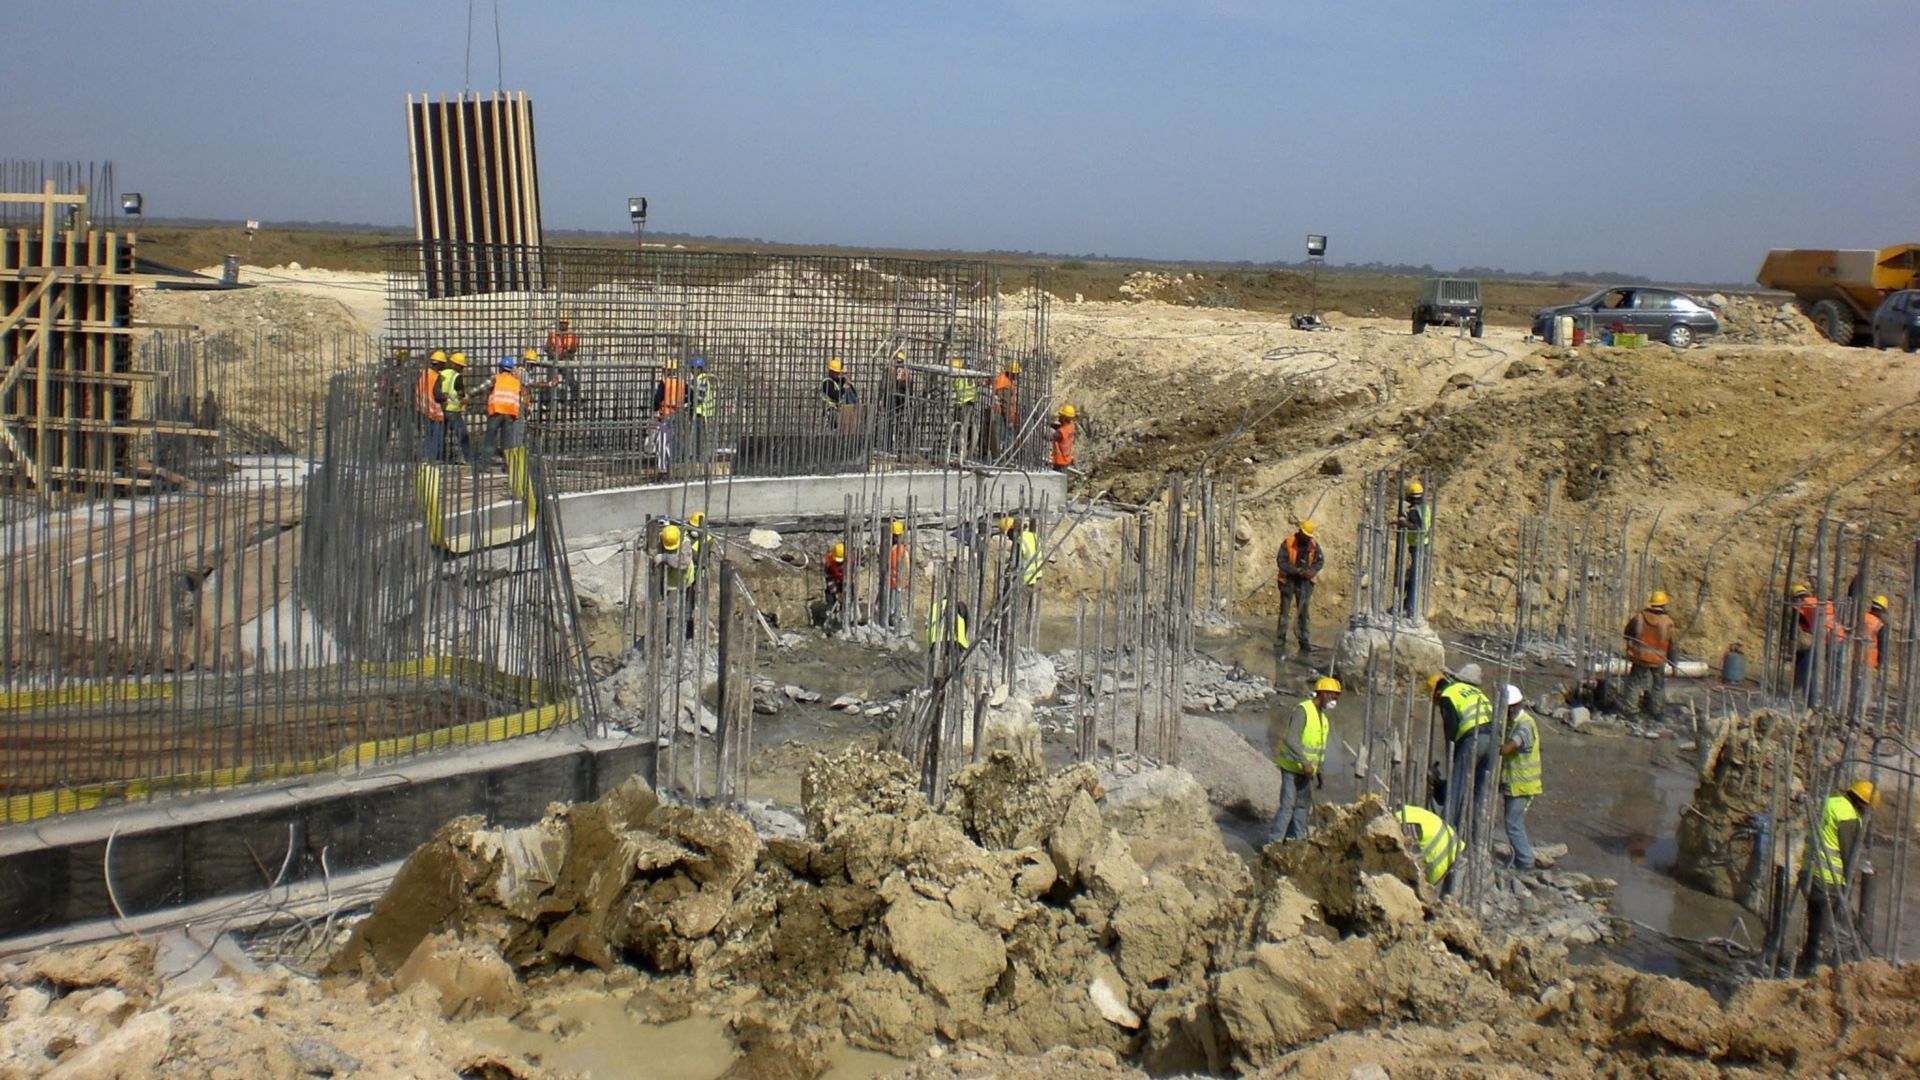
{"type": "Point", "coordinates": [1727, 444]}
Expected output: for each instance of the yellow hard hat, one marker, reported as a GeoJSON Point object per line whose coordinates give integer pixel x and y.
{"type": "Point", "coordinates": [1306, 528]}
{"type": "Point", "coordinates": [1803, 587]}
{"type": "Point", "coordinates": [1864, 791]}
{"type": "Point", "coordinates": [529, 354]}
{"type": "Point", "coordinates": [562, 317]}
{"type": "Point", "coordinates": [1658, 599]}
{"type": "Point", "coordinates": [438, 356]}
{"type": "Point", "coordinates": [956, 362]}
{"type": "Point", "coordinates": [1880, 602]}
{"type": "Point", "coordinates": [899, 528]}
{"type": "Point", "coordinates": [900, 354]}
{"type": "Point", "coordinates": [1006, 524]}
{"type": "Point", "coordinates": [839, 551]}
{"type": "Point", "coordinates": [834, 365]}
{"type": "Point", "coordinates": [1325, 685]}
{"type": "Point", "coordinates": [1433, 682]}
{"type": "Point", "coordinates": [1013, 368]}
{"type": "Point", "coordinates": [697, 518]}
{"type": "Point", "coordinates": [670, 538]}
{"type": "Point", "coordinates": [1067, 411]}
{"type": "Point", "coordinates": [672, 363]}
{"type": "Point", "coordinates": [1415, 487]}
{"type": "Point", "coordinates": [458, 359]}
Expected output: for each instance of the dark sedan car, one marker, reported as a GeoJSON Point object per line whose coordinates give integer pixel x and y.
{"type": "Point", "coordinates": [1896, 323]}
{"type": "Point", "coordinates": [1661, 314]}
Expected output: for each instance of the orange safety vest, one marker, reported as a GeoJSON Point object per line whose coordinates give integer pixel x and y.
{"type": "Point", "coordinates": [423, 399]}
{"type": "Point", "coordinates": [1809, 607]}
{"type": "Point", "coordinates": [560, 346]}
{"type": "Point", "coordinates": [1063, 443]}
{"type": "Point", "coordinates": [673, 397]}
{"type": "Point", "coordinates": [1873, 624]}
{"type": "Point", "coordinates": [836, 569]}
{"type": "Point", "coordinates": [1003, 398]}
{"type": "Point", "coordinates": [894, 555]}
{"type": "Point", "coordinates": [505, 398]}
{"type": "Point", "coordinates": [1649, 639]}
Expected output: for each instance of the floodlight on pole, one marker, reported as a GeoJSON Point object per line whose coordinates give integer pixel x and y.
{"type": "Point", "coordinates": [1316, 254]}
{"type": "Point", "coordinates": [637, 213]}
{"type": "Point", "coordinates": [131, 204]}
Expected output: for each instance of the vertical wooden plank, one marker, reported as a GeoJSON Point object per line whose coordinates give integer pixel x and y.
{"type": "Point", "coordinates": [45, 350]}
{"type": "Point", "coordinates": [413, 167]}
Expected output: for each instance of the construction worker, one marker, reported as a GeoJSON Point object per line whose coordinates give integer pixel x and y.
{"type": "Point", "coordinates": [506, 404]}
{"type": "Point", "coordinates": [1874, 628]}
{"type": "Point", "coordinates": [942, 627]}
{"type": "Point", "coordinates": [1300, 749]}
{"type": "Point", "coordinates": [835, 567]}
{"type": "Point", "coordinates": [669, 398]}
{"type": "Point", "coordinates": [1649, 637]}
{"type": "Point", "coordinates": [562, 344]}
{"type": "Point", "coordinates": [706, 398]}
{"type": "Point", "coordinates": [697, 533]}
{"type": "Point", "coordinates": [1026, 563]}
{"type": "Point", "coordinates": [1814, 624]}
{"type": "Point", "coordinates": [429, 400]}
{"type": "Point", "coordinates": [899, 397]}
{"type": "Point", "coordinates": [1416, 545]}
{"type": "Point", "coordinates": [836, 390]}
{"type": "Point", "coordinates": [896, 570]}
{"type": "Point", "coordinates": [1006, 404]}
{"type": "Point", "coordinates": [453, 401]}
{"type": "Point", "coordinates": [966, 408]}
{"type": "Point", "coordinates": [1063, 429]}
{"type": "Point", "coordinates": [675, 569]}
{"type": "Point", "coordinates": [1519, 775]}
{"type": "Point", "coordinates": [1832, 859]}
{"type": "Point", "coordinates": [1436, 844]}
{"type": "Point", "coordinates": [1466, 716]}
{"type": "Point", "coordinates": [1297, 562]}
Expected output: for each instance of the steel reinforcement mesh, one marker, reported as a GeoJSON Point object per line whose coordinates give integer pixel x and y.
{"type": "Point", "coordinates": [764, 329]}
{"type": "Point", "coordinates": [296, 594]}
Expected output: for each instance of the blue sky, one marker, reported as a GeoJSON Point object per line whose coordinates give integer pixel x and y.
{"type": "Point", "coordinates": [1679, 140]}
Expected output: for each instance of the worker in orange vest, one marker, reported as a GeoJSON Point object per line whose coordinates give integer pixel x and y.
{"type": "Point", "coordinates": [1006, 404]}
{"type": "Point", "coordinates": [1649, 637]}
{"type": "Point", "coordinates": [1874, 623]}
{"type": "Point", "coordinates": [562, 343]}
{"type": "Point", "coordinates": [1299, 561]}
{"type": "Point", "coordinates": [896, 571]}
{"type": "Point", "coordinates": [1063, 428]}
{"type": "Point", "coordinates": [1814, 624]}
{"type": "Point", "coordinates": [835, 567]}
{"type": "Point", "coordinates": [430, 401]}
{"type": "Point", "coordinates": [506, 406]}
{"type": "Point", "coordinates": [669, 398]}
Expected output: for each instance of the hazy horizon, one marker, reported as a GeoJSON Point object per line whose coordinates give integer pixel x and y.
{"type": "Point", "coordinates": [1674, 144]}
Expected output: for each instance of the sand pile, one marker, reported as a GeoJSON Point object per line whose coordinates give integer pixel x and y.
{"type": "Point", "coordinates": [1758, 320]}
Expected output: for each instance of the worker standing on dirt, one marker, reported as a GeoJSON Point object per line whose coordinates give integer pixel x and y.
{"type": "Point", "coordinates": [1466, 716]}
{"type": "Point", "coordinates": [1026, 565]}
{"type": "Point", "coordinates": [1006, 405]}
{"type": "Point", "coordinates": [894, 601]}
{"type": "Point", "coordinates": [946, 624]}
{"type": "Point", "coordinates": [1436, 844]}
{"type": "Point", "coordinates": [1519, 775]}
{"type": "Point", "coordinates": [835, 569]}
{"type": "Point", "coordinates": [669, 397]}
{"type": "Point", "coordinates": [1814, 624]}
{"type": "Point", "coordinates": [1063, 430]}
{"type": "Point", "coordinates": [1298, 563]}
{"type": "Point", "coordinates": [836, 390]}
{"type": "Point", "coordinates": [1832, 859]}
{"type": "Point", "coordinates": [966, 409]}
{"type": "Point", "coordinates": [1649, 637]}
{"type": "Point", "coordinates": [675, 568]}
{"type": "Point", "coordinates": [1416, 543]}
{"type": "Point", "coordinates": [453, 400]}
{"type": "Point", "coordinates": [429, 400]}
{"type": "Point", "coordinates": [706, 399]}
{"type": "Point", "coordinates": [1300, 749]}
{"type": "Point", "coordinates": [506, 404]}
{"type": "Point", "coordinates": [1873, 626]}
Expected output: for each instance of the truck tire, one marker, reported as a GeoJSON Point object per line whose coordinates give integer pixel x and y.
{"type": "Point", "coordinates": [1834, 320]}
{"type": "Point", "coordinates": [1479, 327]}
{"type": "Point", "coordinates": [1419, 324]}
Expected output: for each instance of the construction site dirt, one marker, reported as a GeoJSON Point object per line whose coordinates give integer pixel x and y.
{"type": "Point", "coordinates": [1110, 918]}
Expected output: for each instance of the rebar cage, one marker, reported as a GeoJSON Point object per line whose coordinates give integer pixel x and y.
{"type": "Point", "coordinates": [922, 344]}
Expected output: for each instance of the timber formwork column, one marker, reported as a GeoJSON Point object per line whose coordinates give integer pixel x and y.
{"type": "Point", "coordinates": [476, 192]}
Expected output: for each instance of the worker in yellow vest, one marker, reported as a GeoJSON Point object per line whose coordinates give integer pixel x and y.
{"type": "Point", "coordinates": [1519, 775]}
{"type": "Point", "coordinates": [1436, 844]}
{"type": "Point", "coordinates": [453, 394]}
{"type": "Point", "coordinates": [506, 405]}
{"type": "Point", "coordinates": [1301, 750]}
{"type": "Point", "coordinates": [1467, 718]}
{"type": "Point", "coordinates": [965, 422]}
{"type": "Point", "coordinates": [947, 624]}
{"type": "Point", "coordinates": [1832, 859]}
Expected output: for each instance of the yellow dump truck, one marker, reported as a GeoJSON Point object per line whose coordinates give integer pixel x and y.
{"type": "Point", "coordinates": [1840, 289]}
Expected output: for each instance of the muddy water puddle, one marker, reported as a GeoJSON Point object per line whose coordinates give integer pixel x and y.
{"type": "Point", "coordinates": [602, 1036]}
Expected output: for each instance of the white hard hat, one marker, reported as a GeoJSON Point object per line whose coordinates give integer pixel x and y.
{"type": "Point", "coordinates": [1470, 674]}
{"type": "Point", "coordinates": [1514, 696]}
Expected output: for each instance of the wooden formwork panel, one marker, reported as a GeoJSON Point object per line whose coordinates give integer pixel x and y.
{"type": "Point", "coordinates": [475, 189]}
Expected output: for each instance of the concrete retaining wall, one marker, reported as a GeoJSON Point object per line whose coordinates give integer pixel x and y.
{"type": "Point", "coordinates": [788, 499]}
